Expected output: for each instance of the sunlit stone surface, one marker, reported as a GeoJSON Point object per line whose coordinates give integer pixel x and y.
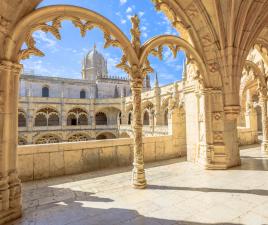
{"type": "Point", "coordinates": [178, 192]}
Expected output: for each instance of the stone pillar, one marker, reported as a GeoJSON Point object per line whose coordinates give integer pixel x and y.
{"type": "Point", "coordinates": [263, 101]}
{"type": "Point", "coordinates": [232, 152]}
{"type": "Point", "coordinates": [250, 114]}
{"type": "Point", "coordinates": [10, 186]}
{"type": "Point", "coordinates": [211, 132]}
{"type": "Point", "coordinates": [177, 128]}
{"type": "Point", "coordinates": [138, 173]}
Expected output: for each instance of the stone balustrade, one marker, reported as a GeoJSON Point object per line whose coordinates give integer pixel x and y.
{"type": "Point", "coordinates": [247, 136]}
{"type": "Point", "coordinates": [51, 160]}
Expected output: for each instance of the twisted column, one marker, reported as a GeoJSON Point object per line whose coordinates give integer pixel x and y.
{"type": "Point", "coordinates": [138, 173]}
{"type": "Point", "coordinates": [263, 101]}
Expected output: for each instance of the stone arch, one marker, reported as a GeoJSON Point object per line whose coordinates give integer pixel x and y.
{"type": "Point", "coordinates": [111, 113]}
{"type": "Point", "coordinates": [46, 116]}
{"type": "Point", "coordinates": [155, 46]}
{"type": "Point", "coordinates": [124, 135]}
{"type": "Point", "coordinates": [47, 139]}
{"type": "Point", "coordinates": [83, 18]}
{"type": "Point", "coordinates": [147, 105]}
{"type": "Point", "coordinates": [77, 116]}
{"type": "Point", "coordinates": [105, 135]}
{"type": "Point", "coordinates": [101, 118]}
{"type": "Point", "coordinates": [78, 137]}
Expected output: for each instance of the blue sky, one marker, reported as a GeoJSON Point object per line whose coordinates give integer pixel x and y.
{"type": "Point", "coordinates": [63, 58]}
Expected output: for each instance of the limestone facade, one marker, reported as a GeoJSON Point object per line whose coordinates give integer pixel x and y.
{"type": "Point", "coordinates": [217, 37]}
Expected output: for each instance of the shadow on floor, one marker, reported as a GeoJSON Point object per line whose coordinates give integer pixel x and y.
{"type": "Point", "coordinates": [237, 191]}
{"type": "Point", "coordinates": [102, 172]}
{"type": "Point", "coordinates": [77, 213]}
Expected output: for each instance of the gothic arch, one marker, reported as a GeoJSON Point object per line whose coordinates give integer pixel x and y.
{"type": "Point", "coordinates": [105, 135]}
{"type": "Point", "coordinates": [147, 105]}
{"type": "Point", "coordinates": [101, 118]}
{"type": "Point", "coordinates": [47, 138]}
{"type": "Point", "coordinates": [83, 18]}
{"type": "Point", "coordinates": [77, 116]}
{"type": "Point", "coordinates": [155, 46]}
{"type": "Point", "coordinates": [81, 136]}
{"type": "Point", "coordinates": [257, 72]}
{"type": "Point", "coordinates": [46, 116]}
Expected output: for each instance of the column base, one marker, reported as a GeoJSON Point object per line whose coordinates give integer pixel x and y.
{"type": "Point", "coordinates": [264, 147]}
{"type": "Point", "coordinates": [138, 178]}
{"type": "Point", "coordinates": [10, 198]}
{"type": "Point", "coordinates": [9, 215]}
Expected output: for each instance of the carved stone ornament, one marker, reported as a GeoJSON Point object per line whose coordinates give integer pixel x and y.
{"type": "Point", "coordinates": [54, 30]}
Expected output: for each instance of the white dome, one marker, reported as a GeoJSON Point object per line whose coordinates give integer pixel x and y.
{"type": "Point", "coordinates": [95, 64]}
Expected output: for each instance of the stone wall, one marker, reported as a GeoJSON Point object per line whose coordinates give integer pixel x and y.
{"type": "Point", "coordinates": [247, 136]}
{"type": "Point", "coordinates": [51, 160]}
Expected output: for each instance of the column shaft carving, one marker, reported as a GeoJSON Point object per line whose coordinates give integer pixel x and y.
{"type": "Point", "coordinates": [263, 101]}
{"type": "Point", "coordinates": [138, 173]}
{"type": "Point", "coordinates": [10, 186]}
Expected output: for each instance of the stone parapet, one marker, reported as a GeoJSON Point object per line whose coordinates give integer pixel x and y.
{"type": "Point", "coordinates": [51, 160]}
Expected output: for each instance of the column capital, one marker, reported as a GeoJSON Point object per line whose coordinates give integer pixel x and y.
{"type": "Point", "coordinates": [11, 66]}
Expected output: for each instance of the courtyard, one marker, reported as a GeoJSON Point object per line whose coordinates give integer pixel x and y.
{"type": "Point", "coordinates": [178, 192]}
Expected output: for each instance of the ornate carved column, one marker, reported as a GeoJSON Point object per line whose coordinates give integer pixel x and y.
{"type": "Point", "coordinates": [10, 186]}
{"type": "Point", "coordinates": [263, 101]}
{"type": "Point", "coordinates": [138, 173]}
{"type": "Point", "coordinates": [250, 114]}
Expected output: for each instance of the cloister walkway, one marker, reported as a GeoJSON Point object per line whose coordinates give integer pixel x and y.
{"type": "Point", "coordinates": [178, 192]}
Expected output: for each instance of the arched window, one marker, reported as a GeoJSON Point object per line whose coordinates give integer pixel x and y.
{"type": "Point", "coordinates": [71, 120]}
{"type": "Point", "coordinates": [101, 118]}
{"type": "Point", "coordinates": [22, 120]}
{"type": "Point", "coordinates": [146, 118]}
{"type": "Point", "coordinates": [82, 94]}
{"type": "Point", "coordinates": [40, 120]}
{"type": "Point", "coordinates": [45, 92]}
{"type": "Point", "coordinates": [82, 119]}
{"type": "Point", "coordinates": [53, 120]}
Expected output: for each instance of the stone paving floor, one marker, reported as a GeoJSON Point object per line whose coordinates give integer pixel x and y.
{"type": "Point", "coordinates": [178, 192]}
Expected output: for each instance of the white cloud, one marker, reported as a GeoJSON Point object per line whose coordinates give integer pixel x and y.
{"type": "Point", "coordinates": [123, 21]}
{"type": "Point", "coordinates": [123, 2]}
{"type": "Point", "coordinates": [129, 10]}
{"type": "Point", "coordinates": [143, 28]}
{"type": "Point", "coordinates": [144, 34]}
{"type": "Point", "coordinates": [129, 17]}
{"type": "Point", "coordinates": [43, 37]}
{"type": "Point", "coordinates": [141, 14]}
